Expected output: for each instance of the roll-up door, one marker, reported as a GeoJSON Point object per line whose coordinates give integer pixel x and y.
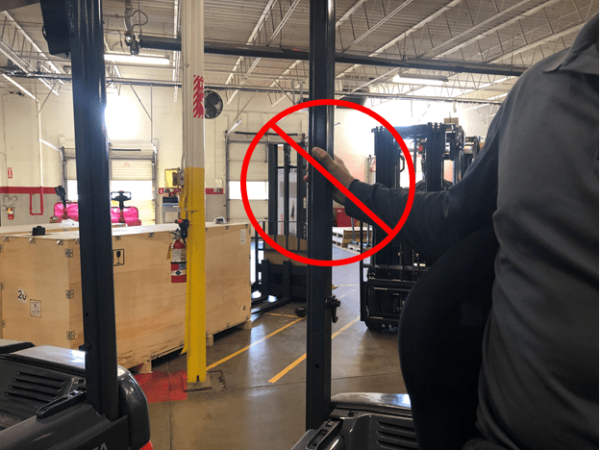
{"type": "Point", "coordinates": [257, 170]}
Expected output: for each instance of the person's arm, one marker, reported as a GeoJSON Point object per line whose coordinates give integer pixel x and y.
{"type": "Point", "coordinates": [437, 219]}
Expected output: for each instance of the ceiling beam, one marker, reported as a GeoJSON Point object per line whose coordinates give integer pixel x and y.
{"type": "Point", "coordinates": [465, 33]}
{"type": "Point", "coordinates": [407, 33]}
{"type": "Point", "coordinates": [491, 30]}
{"type": "Point", "coordinates": [380, 23]}
{"type": "Point", "coordinates": [268, 11]}
{"type": "Point", "coordinates": [341, 58]}
{"type": "Point", "coordinates": [539, 42]}
{"type": "Point", "coordinates": [5, 5]}
{"type": "Point", "coordinates": [170, 84]}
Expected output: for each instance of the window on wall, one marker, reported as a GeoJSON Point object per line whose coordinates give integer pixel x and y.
{"type": "Point", "coordinates": [257, 190]}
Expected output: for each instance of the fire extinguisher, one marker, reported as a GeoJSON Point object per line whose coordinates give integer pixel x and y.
{"type": "Point", "coordinates": [178, 272]}
{"type": "Point", "coordinates": [11, 213]}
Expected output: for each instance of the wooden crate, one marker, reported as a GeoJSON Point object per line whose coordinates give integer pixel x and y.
{"type": "Point", "coordinates": [12, 230]}
{"type": "Point", "coordinates": [294, 244]}
{"type": "Point", "coordinates": [228, 293]}
{"type": "Point", "coordinates": [342, 236]}
{"type": "Point", "coordinates": [150, 310]}
{"type": "Point", "coordinates": [26, 229]}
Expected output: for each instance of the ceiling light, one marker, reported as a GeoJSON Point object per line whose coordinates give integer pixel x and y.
{"type": "Point", "coordinates": [136, 59]}
{"type": "Point", "coordinates": [423, 80]}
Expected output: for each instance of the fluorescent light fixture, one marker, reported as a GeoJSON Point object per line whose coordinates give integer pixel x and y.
{"type": "Point", "coordinates": [137, 59]}
{"type": "Point", "coordinates": [421, 79]}
{"type": "Point", "coordinates": [21, 88]}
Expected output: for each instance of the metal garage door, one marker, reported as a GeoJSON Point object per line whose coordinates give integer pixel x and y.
{"type": "Point", "coordinates": [257, 172]}
{"type": "Point", "coordinates": [135, 165]}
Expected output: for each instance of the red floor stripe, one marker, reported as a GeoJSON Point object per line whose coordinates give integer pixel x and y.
{"type": "Point", "coordinates": [163, 387]}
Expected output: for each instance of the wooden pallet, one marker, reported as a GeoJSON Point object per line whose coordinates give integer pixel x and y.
{"type": "Point", "coordinates": [245, 325]}
{"type": "Point", "coordinates": [356, 247]}
{"type": "Point", "coordinates": [146, 367]}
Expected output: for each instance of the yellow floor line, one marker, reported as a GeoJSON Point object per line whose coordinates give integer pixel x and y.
{"type": "Point", "coordinates": [281, 374]}
{"type": "Point", "coordinates": [213, 365]}
{"type": "Point", "coordinates": [281, 315]}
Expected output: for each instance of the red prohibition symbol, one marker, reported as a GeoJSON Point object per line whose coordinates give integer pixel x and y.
{"type": "Point", "coordinates": [272, 124]}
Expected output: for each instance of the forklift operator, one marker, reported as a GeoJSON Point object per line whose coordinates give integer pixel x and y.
{"type": "Point", "coordinates": [536, 182]}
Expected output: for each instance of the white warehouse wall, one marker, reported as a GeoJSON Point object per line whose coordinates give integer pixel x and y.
{"type": "Point", "coordinates": [128, 124]}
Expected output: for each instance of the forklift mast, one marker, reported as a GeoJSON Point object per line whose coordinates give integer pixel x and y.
{"type": "Point", "coordinates": [56, 397]}
{"type": "Point", "coordinates": [386, 280]}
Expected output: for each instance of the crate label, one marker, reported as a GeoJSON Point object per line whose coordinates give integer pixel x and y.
{"type": "Point", "coordinates": [21, 295]}
{"type": "Point", "coordinates": [119, 257]}
{"type": "Point", "coordinates": [36, 308]}
{"type": "Point", "coordinates": [242, 237]}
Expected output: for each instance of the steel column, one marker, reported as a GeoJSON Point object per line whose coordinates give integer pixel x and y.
{"type": "Point", "coordinates": [89, 103]}
{"type": "Point", "coordinates": [273, 188]}
{"type": "Point", "coordinates": [286, 190]}
{"type": "Point", "coordinates": [192, 202]}
{"type": "Point", "coordinates": [322, 81]}
{"type": "Point", "coordinates": [300, 195]}
{"type": "Point", "coordinates": [434, 157]}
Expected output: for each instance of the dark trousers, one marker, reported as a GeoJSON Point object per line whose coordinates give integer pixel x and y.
{"type": "Point", "coordinates": [440, 337]}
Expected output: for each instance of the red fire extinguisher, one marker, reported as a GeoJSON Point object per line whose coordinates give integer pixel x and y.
{"type": "Point", "coordinates": [178, 272]}
{"type": "Point", "coordinates": [11, 213]}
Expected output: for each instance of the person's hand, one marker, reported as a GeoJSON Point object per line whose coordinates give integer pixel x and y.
{"type": "Point", "coordinates": [337, 168]}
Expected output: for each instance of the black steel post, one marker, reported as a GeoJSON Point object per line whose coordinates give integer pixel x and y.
{"type": "Point", "coordinates": [322, 73]}
{"type": "Point", "coordinates": [89, 102]}
{"type": "Point", "coordinates": [434, 157]}
{"type": "Point", "coordinates": [273, 191]}
{"type": "Point", "coordinates": [300, 195]}
{"type": "Point", "coordinates": [286, 191]}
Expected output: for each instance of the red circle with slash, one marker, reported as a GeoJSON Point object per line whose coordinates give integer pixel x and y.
{"type": "Point", "coordinates": [272, 124]}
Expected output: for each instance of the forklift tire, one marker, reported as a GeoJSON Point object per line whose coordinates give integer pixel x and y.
{"type": "Point", "coordinates": [301, 311]}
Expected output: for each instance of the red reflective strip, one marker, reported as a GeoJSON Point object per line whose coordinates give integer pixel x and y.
{"type": "Point", "coordinates": [26, 190]}
{"type": "Point", "coordinates": [198, 107]}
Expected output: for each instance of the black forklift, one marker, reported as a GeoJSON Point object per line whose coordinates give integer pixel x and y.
{"type": "Point", "coordinates": [279, 280]}
{"type": "Point", "coordinates": [56, 398]}
{"type": "Point", "coordinates": [386, 280]}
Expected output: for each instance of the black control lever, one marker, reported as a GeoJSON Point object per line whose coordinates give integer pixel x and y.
{"type": "Point", "coordinates": [333, 303]}
{"type": "Point", "coordinates": [183, 228]}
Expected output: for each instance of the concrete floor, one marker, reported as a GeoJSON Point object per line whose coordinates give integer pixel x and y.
{"type": "Point", "coordinates": [257, 411]}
